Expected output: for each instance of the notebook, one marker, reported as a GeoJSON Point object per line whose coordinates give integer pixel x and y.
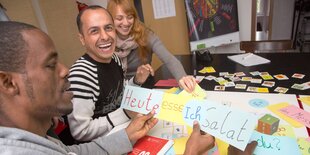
{"type": "Point", "coordinates": [248, 59]}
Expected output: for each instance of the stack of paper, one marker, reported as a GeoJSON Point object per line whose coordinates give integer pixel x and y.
{"type": "Point", "coordinates": [248, 59]}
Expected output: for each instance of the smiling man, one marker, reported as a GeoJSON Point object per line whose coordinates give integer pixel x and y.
{"type": "Point", "coordinates": [97, 79]}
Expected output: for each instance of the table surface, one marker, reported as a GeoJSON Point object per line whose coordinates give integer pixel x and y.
{"type": "Point", "coordinates": [281, 63]}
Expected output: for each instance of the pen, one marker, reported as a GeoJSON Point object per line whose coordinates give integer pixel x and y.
{"type": "Point", "coordinates": [247, 56]}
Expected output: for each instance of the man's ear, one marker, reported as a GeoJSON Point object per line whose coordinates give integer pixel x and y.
{"type": "Point", "coordinates": [7, 83]}
{"type": "Point", "coordinates": [81, 37]}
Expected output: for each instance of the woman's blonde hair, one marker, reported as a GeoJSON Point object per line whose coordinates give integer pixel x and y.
{"type": "Point", "coordinates": [139, 30]}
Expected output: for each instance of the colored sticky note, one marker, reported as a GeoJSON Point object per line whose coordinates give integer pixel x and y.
{"type": "Point", "coordinates": [274, 145]}
{"type": "Point", "coordinates": [285, 130]}
{"type": "Point", "coordinates": [305, 100]}
{"type": "Point", "coordinates": [262, 90]}
{"type": "Point", "coordinates": [297, 114]}
{"type": "Point", "coordinates": [275, 109]}
{"type": "Point", "coordinates": [141, 100]}
{"type": "Point", "coordinates": [207, 70]}
{"type": "Point", "coordinates": [210, 70]}
{"type": "Point", "coordinates": [203, 71]}
{"type": "Point", "coordinates": [198, 93]}
{"type": "Point", "coordinates": [304, 146]}
{"type": "Point", "coordinates": [226, 123]}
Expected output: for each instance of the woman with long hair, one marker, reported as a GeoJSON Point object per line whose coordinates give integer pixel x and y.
{"type": "Point", "coordinates": [136, 43]}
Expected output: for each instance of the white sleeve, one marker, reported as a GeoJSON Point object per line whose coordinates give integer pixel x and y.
{"type": "Point", "coordinates": [84, 128]}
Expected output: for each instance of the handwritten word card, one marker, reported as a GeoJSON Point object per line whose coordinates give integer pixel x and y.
{"type": "Point", "coordinates": [275, 109]}
{"type": "Point", "coordinates": [274, 145]}
{"type": "Point", "coordinates": [228, 124]}
{"type": "Point", "coordinates": [141, 100]}
{"type": "Point", "coordinates": [297, 114]}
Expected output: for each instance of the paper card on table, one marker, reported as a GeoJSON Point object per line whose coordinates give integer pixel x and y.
{"type": "Point", "coordinates": [305, 100]}
{"type": "Point", "coordinates": [281, 77]}
{"type": "Point", "coordinates": [304, 146]}
{"type": "Point", "coordinates": [210, 69]}
{"type": "Point", "coordinates": [171, 108]}
{"type": "Point", "coordinates": [297, 75]}
{"type": "Point", "coordinates": [141, 100]}
{"type": "Point", "coordinates": [167, 83]}
{"type": "Point", "coordinates": [275, 109]}
{"type": "Point", "coordinates": [297, 114]}
{"type": "Point", "coordinates": [171, 151]}
{"type": "Point", "coordinates": [199, 78]}
{"type": "Point", "coordinates": [179, 145]}
{"type": "Point", "coordinates": [173, 90]}
{"type": "Point", "coordinates": [232, 125]}
{"type": "Point", "coordinates": [274, 145]}
{"type": "Point", "coordinates": [267, 77]}
{"type": "Point", "coordinates": [198, 93]}
{"type": "Point", "coordinates": [222, 146]}
{"type": "Point", "coordinates": [285, 130]}
{"type": "Point", "coordinates": [203, 71]}
{"type": "Point", "coordinates": [262, 90]}
{"type": "Point", "coordinates": [207, 70]}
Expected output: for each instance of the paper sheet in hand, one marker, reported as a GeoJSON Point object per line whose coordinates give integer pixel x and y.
{"type": "Point", "coordinates": [248, 59]}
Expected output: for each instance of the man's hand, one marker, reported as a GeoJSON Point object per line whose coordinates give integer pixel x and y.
{"type": "Point", "coordinates": [187, 83]}
{"type": "Point", "coordinates": [199, 142]}
{"type": "Point", "coordinates": [248, 150]}
{"type": "Point", "coordinates": [143, 73]}
{"type": "Point", "coordinates": [140, 125]}
{"type": "Point", "coordinates": [131, 114]}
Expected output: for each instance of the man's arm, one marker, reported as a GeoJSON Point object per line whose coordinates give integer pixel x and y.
{"type": "Point", "coordinates": [119, 142]}
{"type": "Point", "coordinates": [116, 143]}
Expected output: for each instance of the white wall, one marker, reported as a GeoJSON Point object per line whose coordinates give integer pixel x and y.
{"type": "Point", "coordinates": [283, 12]}
{"type": "Point", "coordinates": [244, 15]}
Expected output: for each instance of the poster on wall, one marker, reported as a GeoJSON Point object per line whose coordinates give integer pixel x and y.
{"type": "Point", "coordinates": [210, 19]}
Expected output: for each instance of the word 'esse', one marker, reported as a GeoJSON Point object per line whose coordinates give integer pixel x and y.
{"type": "Point", "coordinates": [217, 125]}
{"type": "Point", "coordinates": [134, 102]}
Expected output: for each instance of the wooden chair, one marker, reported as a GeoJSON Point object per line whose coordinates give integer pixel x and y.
{"type": "Point", "coordinates": [266, 45]}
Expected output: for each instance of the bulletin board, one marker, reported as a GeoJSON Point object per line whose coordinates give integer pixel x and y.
{"type": "Point", "coordinates": [209, 19]}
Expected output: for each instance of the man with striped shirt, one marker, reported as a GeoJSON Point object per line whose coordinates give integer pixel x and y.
{"type": "Point", "coordinates": [97, 78]}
